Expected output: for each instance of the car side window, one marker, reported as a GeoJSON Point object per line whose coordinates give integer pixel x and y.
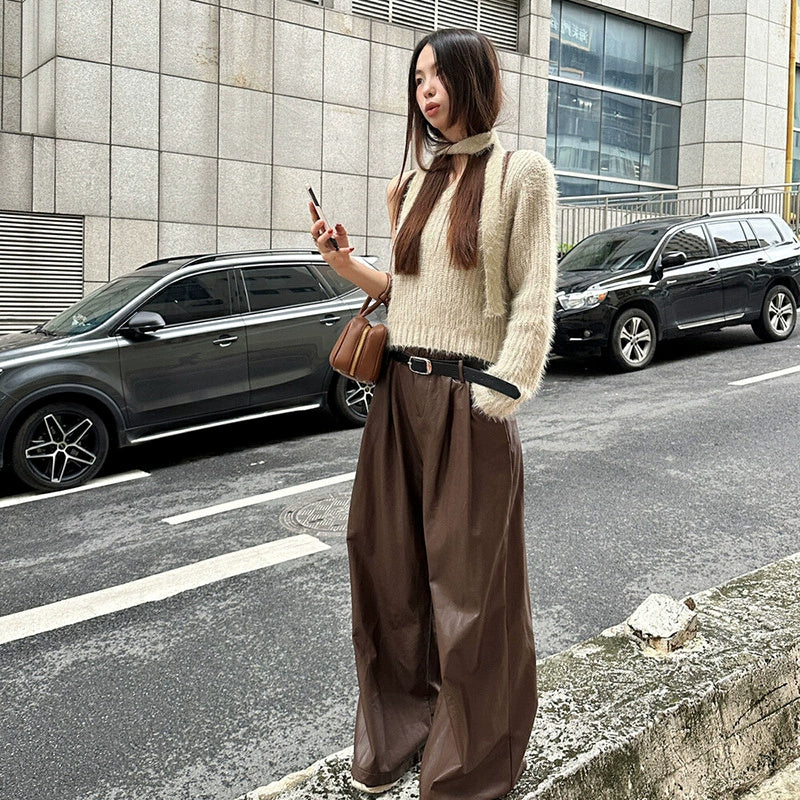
{"type": "Point", "coordinates": [766, 233]}
{"type": "Point", "coordinates": [729, 237]}
{"type": "Point", "coordinates": [339, 284]}
{"type": "Point", "coordinates": [281, 286]}
{"type": "Point", "coordinates": [192, 299]}
{"type": "Point", "coordinates": [692, 241]}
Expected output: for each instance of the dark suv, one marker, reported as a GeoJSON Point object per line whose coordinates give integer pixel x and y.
{"type": "Point", "coordinates": [178, 345]}
{"type": "Point", "coordinates": [625, 289]}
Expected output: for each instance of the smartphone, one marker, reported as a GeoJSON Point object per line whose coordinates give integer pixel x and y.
{"type": "Point", "coordinates": [320, 213]}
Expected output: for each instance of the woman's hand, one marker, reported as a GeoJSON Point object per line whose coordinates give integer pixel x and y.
{"type": "Point", "coordinates": [338, 259]}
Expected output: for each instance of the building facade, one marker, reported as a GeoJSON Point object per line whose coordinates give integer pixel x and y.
{"type": "Point", "coordinates": [135, 129]}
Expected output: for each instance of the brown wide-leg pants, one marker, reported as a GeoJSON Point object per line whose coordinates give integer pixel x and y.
{"type": "Point", "coordinates": [442, 627]}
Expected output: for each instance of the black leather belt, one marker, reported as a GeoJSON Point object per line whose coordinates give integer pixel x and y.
{"type": "Point", "coordinates": [454, 368]}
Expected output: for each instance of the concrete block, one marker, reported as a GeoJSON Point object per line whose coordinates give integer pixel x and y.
{"type": "Point", "coordinates": [755, 80]}
{"type": "Point", "coordinates": [389, 78]}
{"type": "Point", "coordinates": [663, 623]}
{"type": "Point", "coordinates": [83, 29]}
{"type": "Point", "coordinates": [509, 140]}
{"type": "Point", "coordinates": [190, 40]}
{"type": "Point", "coordinates": [16, 178]}
{"type": "Point", "coordinates": [725, 77]}
{"type": "Point", "coordinates": [134, 107]}
{"type": "Point", "coordinates": [134, 183]}
{"type": "Point", "coordinates": [245, 124]}
{"type": "Point", "coordinates": [135, 35]}
{"type": "Point", "coordinates": [30, 36]}
{"type": "Point", "coordinates": [244, 194]}
{"type": "Point", "coordinates": [377, 212]}
{"type": "Point", "coordinates": [44, 165]}
{"type": "Point", "coordinates": [288, 239]}
{"type": "Point", "coordinates": [264, 8]}
{"type": "Point", "coordinates": [289, 200]}
{"type": "Point", "coordinates": [95, 249]}
{"type": "Point", "coordinates": [230, 239]}
{"type": "Point", "coordinates": [755, 123]}
{"type": "Point", "coordinates": [387, 137]}
{"type": "Point", "coordinates": [778, 43]}
{"type": "Point", "coordinates": [133, 243]}
{"type": "Point", "coordinates": [345, 133]}
{"type": "Point", "coordinates": [693, 123]}
{"type": "Point", "coordinates": [188, 189]}
{"type": "Point", "coordinates": [297, 136]}
{"type": "Point", "coordinates": [394, 35]}
{"type": "Point", "coordinates": [536, 143]}
{"type": "Point", "coordinates": [12, 38]}
{"type": "Point", "coordinates": [179, 239]}
{"type": "Point", "coordinates": [346, 75]}
{"type": "Point", "coordinates": [696, 43]}
{"type": "Point", "coordinates": [757, 42]}
{"type": "Point", "coordinates": [724, 120]}
{"type": "Point", "coordinates": [297, 61]}
{"type": "Point", "coordinates": [83, 110]}
{"type": "Point", "coordinates": [29, 112]}
{"type": "Point", "coordinates": [46, 103]}
{"type": "Point", "coordinates": [189, 116]}
{"type": "Point", "coordinates": [346, 203]}
{"type": "Point", "coordinates": [722, 163]}
{"type": "Point", "coordinates": [82, 178]}
{"type": "Point", "coordinates": [47, 30]}
{"type": "Point", "coordinates": [533, 105]}
{"type": "Point", "coordinates": [777, 85]}
{"type": "Point", "coordinates": [382, 248]}
{"type": "Point", "coordinates": [510, 111]}
{"type": "Point", "coordinates": [311, 16]}
{"type": "Point", "coordinates": [245, 57]}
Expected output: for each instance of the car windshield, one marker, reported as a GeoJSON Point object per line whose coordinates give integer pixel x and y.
{"type": "Point", "coordinates": [612, 251]}
{"type": "Point", "coordinates": [97, 307]}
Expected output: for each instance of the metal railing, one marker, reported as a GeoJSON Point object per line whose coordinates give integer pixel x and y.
{"type": "Point", "coordinates": [580, 216]}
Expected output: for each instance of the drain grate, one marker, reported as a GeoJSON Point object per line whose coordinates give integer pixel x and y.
{"type": "Point", "coordinates": [327, 515]}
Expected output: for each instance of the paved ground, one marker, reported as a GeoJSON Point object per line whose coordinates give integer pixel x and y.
{"type": "Point", "coordinates": [669, 480]}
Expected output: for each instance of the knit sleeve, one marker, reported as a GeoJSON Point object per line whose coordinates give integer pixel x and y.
{"type": "Point", "coordinates": [531, 274]}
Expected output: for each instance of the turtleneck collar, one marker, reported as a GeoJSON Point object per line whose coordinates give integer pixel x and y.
{"type": "Point", "coordinates": [472, 144]}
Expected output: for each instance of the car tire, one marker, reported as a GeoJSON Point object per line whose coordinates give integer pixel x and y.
{"type": "Point", "coordinates": [60, 446]}
{"type": "Point", "coordinates": [350, 400]}
{"type": "Point", "coordinates": [778, 315]}
{"type": "Point", "coordinates": [633, 340]}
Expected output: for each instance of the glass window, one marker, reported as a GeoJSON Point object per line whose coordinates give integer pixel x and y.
{"type": "Point", "coordinates": [765, 231]}
{"type": "Point", "coordinates": [624, 54]}
{"type": "Point", "coordinates": [691, 241]}
{"type": "Point", "coordinates": [193, 299]}
{"type": "Point", "coordinates": [339, 284]}
{"type": "Point", "coordinates": [552, 120]}
{"type": "Point", "coordinates": [280, 286]}
{"type": "Point", "coordinates": [609, 187]}
{"type": "Point", "coordinates": [729, 237]}
{"type": "Point", "coordinates": [578, 129]}
{"type": "Point", "coordinates": [796, 156]}
{"type": "Point", "coordinates": [581, 43]}
{"type": "Point", "coordinates": [555, 39]}
{"type": "Point", "coordinates": [621, 131]}
{"type": "Point", "coordinates": [786, 232]}
{"type": "Point", "coordinates": [575, 187]}
{"type": "Point", "coordinates": [660, 137]}
{"type": "Point", "coordinates": [663, 58]}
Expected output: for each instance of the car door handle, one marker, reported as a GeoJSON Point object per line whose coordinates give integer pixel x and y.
{"type": "Point", "coordinates": [761, 261]}
{"type": "Point", "coordinates": [670, 282]}
{"type": "Point", "coordinates": [713, 270]}
{"type": "Point", "coordinates": [329, 320]}
{"type": "Point", "coordinates": [225, 341]}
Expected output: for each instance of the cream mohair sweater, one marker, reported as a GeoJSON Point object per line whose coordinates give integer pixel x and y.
{"type": "Point", "coordinates": [501, 312]}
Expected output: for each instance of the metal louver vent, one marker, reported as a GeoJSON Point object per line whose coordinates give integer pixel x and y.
{"type": "Point", "coordinates": [498, 19]}
{"type": "Point", "coordinates": [41, 267]}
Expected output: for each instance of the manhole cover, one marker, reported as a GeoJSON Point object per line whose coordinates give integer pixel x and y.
{"type": "Point", "coordinates": [328, 515]}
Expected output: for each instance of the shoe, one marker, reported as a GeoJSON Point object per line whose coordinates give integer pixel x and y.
{"type": "Point", "coordinates": [362, 787]}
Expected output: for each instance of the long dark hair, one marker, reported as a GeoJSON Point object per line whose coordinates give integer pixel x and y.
{"type": "Point", "coordinates": [470, 72]}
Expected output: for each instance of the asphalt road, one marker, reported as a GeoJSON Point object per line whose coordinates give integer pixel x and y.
{"type": "Point", "coordinates": [668, 480]}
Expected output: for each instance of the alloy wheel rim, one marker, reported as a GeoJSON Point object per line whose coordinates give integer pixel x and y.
{"type": "Point", "coordinates": [358, 396]}
{"type": "Point", "coordinates": [635, 340]}
{"type": "Point", "coordinates": [780, 313]}
{"type": "Point", "coordinates": [62, 447]}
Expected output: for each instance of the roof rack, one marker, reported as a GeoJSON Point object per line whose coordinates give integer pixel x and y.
{"type": "Point", "coordinates": [200, 258]}
{"type": "Point", "coordinates": [732, 211]}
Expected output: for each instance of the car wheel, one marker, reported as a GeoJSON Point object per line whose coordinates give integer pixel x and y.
{"type": "Point", "coordinates": [633, 340]}
{"type": "Point", "coordinates": [351, 400]}
{"type": "Point", "coordinates": [778, 315]}
{"type": "Point", "coordinates": [60, 446]}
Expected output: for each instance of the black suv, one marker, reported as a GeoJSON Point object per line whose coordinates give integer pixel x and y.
{"type": "Point", "coordinates": [623, 290]}
{"type": "Point", "coordinates": [178, 345]}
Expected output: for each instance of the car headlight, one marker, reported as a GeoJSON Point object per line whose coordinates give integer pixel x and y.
{"type": "Point", "coordinates": [588, 299]}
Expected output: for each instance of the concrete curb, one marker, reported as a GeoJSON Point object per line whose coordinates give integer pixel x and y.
{"type": "Point", "coordinates": [619, 723]}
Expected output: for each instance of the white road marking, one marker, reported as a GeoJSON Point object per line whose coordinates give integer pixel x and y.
{"type": "Point", "coordinates": [258, 498]}
{"type": "Point", "coordinates": [766, 376]}
{"type": "Point", "coordinates": [19, 499]}
{"type": "Point", "coordinates": [155, 587]}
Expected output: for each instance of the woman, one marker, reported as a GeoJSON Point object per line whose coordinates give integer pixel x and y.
{"type": "Point", "coordinates": [441, 611]}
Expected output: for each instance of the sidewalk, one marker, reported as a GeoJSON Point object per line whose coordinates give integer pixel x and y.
{"type": "Point", "coordinates": [616, 722]}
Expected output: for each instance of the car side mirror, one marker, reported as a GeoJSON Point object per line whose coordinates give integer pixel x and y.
{"type": "Point", "coordinates": [143, 322]}
{"type": "Point", "coordinates": [673, 259]}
